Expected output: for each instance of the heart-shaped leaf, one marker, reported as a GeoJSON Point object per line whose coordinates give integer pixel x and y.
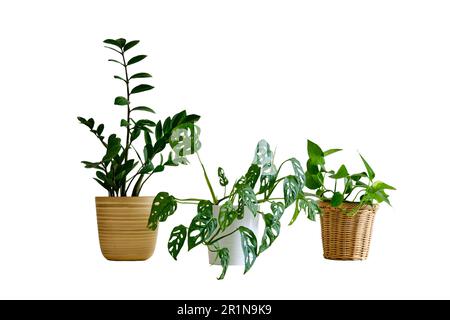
{"type": "Point", "coordinates": [163, 206]}
{"type": "Point", "coordinates": [176, 240]}
{"type": "Point", "coordinates": [249, 245]}
{"type": "Point", "coordinates": [337, 199]}
{"type": "Point", "coordinates": [341, 173]}
{"type": "Point", "coordinates": [271, 232]}
{"type": "Point", "coordinates": [315, 153]}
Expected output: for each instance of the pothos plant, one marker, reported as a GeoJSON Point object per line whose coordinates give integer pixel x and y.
{"type": "Point", "coordinates": [338, 187]}
{"type": "Point", "coordinates": [254, 191]}
{"type": "Point", "coordinates": [117, 171]}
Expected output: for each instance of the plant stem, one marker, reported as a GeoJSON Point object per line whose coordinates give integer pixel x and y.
{"type": "Point", "coordinates": [220, 238]}
{"type": "Point", "coordinates": [189, 199]}
{"type": "Point", "coordinates": [208, 182]}
{"type": "Point", "coordinates": [128, 137]}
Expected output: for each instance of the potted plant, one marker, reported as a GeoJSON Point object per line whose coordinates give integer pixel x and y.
{"type": "Point", "coordinates": [228, 225]}
{"type": "Point", "coordinates": [347, 204]}
{"type": "Point", "coordinates": [126, 165]}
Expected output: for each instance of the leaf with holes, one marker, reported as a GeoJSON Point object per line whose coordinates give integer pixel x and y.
{"type": "Point", "coordinates": [291, 188]}
{"type": "Point", "coordinates": [202, 226]}
{"type": "Point", "coordinates": [252, 175]}
{"type": "Point", "coordinates": [163, 206]}
{"type": "Point", "coordinates": [277, 210]}
{"type": "Point", "coordinates": [222, 178]}
{"type": "Point", "coordinates": [176, 240]}
{"type": "Point", "coordinates": [271, 232]}
{"type": "Point", "coordinates": [249, 245]}
{"type": "Point", "coordinates": [227, 215]}
{"type": "Point", "coordinates": [299, 173]}
{"type": "Point", "coordinates": [248, 198]}
{"type": "Point", "coordinates": [224, 256]}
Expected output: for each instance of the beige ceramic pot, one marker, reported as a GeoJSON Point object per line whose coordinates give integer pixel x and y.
{"type": "Point", "coordinates": [122, 228]}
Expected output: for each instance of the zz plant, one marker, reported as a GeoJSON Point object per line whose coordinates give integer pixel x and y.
{"type": "Point", "coordinates": [254, 191]}
{"type": "Point", "coordinates": [337, 187]}
{"type": "Point", "coordinates": [117, 171]}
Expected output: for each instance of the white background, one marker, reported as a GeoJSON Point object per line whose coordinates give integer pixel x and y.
{"type": "Point", "coordinates": [368, 76]}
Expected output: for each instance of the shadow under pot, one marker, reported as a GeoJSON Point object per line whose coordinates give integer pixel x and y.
{"type": "Point", "coordinates": [346, 237]}
{"type": "Point", "coordinates": [233, 242]}
{"type": "Point", "coordinates": [122, 228]}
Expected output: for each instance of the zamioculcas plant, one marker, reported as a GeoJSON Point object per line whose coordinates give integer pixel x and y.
{"type": "Point", "coordinates": [126, 163]}
{"type": "Point", "coordinates": [346, 201]}
{"type": "Point", "coordinates": [228, 225]}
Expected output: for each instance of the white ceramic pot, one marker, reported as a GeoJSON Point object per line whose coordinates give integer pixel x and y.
{"type": "Point", "coordinates": [233, 242]}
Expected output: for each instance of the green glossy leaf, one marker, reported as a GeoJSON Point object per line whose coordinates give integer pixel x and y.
{"type": "Point", "coordinates": [248, 198]}
{"type": "Point", "coordinates": [112, 42]}
{"type": "Point", "coordinates": [331, 151]}
{"type": "Point", "coordinates": [135, 134]}
{"type": "Point", "coordinates": [115, 61]}
{"type": "Point", "coordinates": [124, 123]}
{"type": "Point", "coordinates": [222, 178]}
{"type": "Point", "coordinates": [121, 101]}
{"type": "Point", "coordinates": [312, 181]}
{"type": "Point", "coordinates": [379, 185]}
{"type": "Point", "coordinates": [337, 199]}
{"type": "Point", "coordinates": [271, 232]}
{"type": "Point", "coordinates": [358, 176]}
{"type": "Point", "coordinates": [227, 215]}
{"type": "Point", "coordinates": [249, 245]}
{"type": "Point", "coordinates": [130, 45]}
{"type": "Point", "coordinates": [176, 240]}
{"type": "Point", "coordinates": [348, 186]}
{"type": "Point", "coordinates": [91, 165]}
{"type": "Point", "coordinates": [341, 173]}
{"type": "Point", "coordinates": [142, 108]}
{"type": "Point", "coordinates": [145, 122]}
{"type": "Point", "coordinates": [113, 148]}
{"type": "Point", "coordinates": [291, 188]}
{"type": "Point", "coordinates": [224, 256]}
{"type": "Point", "coordinates": [141, 75]}
{"type": "Point", "coordinates": [136, 59]}
{"type": "Point", "coordinates": [315, 153]}
{"type": "Point", "coordinates": [252, 175]}
{"type": "Point", "coordinates": [100, 129]}
{"type": "Point", "coordinates": [141, 88]}
{"type": "Point", "coordinates": [202, 226]}
{"type": "Point", "coordinates": [158, 168]}
{"type": "Point", "coordinates": [163, 206]}
{"type": "Point", "coordinates": [147, 168]}
{"type": "Point", "coordinates": [121, 42]}
{"type": "Point", "coordinates": [370, 172]}
{"type": "Point", "coordinates": [120, 78]}
{"type": "Point", "coordinates": [277, 210]}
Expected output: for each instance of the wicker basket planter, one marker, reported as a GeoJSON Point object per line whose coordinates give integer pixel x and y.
{"type": "Point", "coordinates": [122, 228]}
{"type": "Point", "coordinates": [344, 237]}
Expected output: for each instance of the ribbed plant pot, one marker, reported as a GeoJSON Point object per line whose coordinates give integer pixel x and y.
{"type": "Point", "coordinates": [346, 237]}
{"type": "Point", "coordinates": [122, 228]}
{"type": "Point", "coordinates": [233, 242]}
